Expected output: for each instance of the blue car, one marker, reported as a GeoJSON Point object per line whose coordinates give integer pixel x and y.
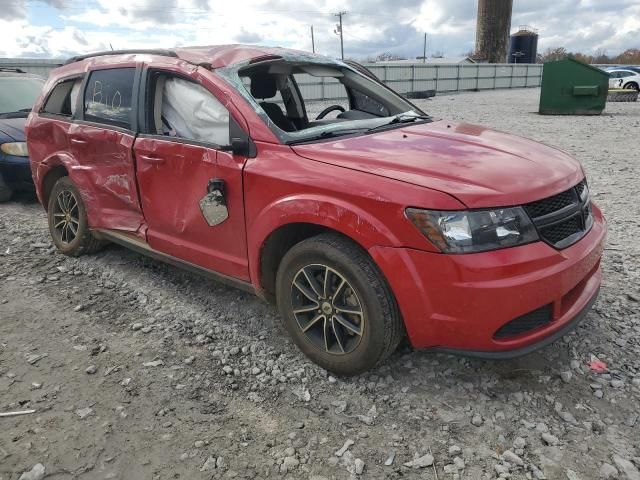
{"type": "Point", "coordinates": [18, 93]}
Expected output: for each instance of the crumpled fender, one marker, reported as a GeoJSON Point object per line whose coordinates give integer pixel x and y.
{"type": "Point", "coordinates": [39, 170]}
{"type": "Point", "coordinates": [84, 178]}
{"type": "Point", "coordinates": [354, 222]}
{"type": "Point", "coordinates": [77, 174]}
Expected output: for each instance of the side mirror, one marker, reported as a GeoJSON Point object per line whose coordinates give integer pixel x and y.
{"type": "Point", "coordinates": [243, 147]}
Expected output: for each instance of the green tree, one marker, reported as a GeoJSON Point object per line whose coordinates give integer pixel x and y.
{"type": "Point", "coordinates": [551, 54]}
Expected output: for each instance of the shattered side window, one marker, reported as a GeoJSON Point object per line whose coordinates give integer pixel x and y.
{"type": "Point", "coordinates": [191, 112]}
{"type": "Point", "coordinates": [379, 105]}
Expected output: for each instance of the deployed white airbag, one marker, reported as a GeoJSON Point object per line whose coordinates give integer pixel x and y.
{"type": "Point", "coordinates": [190, 111]}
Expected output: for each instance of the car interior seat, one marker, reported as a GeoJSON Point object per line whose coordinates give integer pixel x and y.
{"type": "Point", "coordinates": [263, 86]}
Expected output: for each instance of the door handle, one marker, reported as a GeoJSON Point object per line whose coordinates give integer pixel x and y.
{"type": "Point", "coordinates": [78, 141]}
{"type": "Point", "coordinates": [151, 158]}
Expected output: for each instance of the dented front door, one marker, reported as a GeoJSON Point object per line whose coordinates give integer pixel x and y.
{"type": "Point", "coordinates": [182, 205]}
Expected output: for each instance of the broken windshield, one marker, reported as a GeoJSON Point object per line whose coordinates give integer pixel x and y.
{"type": "Point", "coordinates": [306, 100]}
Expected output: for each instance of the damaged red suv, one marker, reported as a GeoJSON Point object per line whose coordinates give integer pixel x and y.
{"type": "Point", "coordinates": [365, 222]}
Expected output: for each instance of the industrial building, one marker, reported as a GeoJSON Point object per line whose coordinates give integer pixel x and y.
{"type": "Point", "coordinates": [523, 47]}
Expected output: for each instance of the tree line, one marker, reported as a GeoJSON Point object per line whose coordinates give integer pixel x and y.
{"type": "Point", "coordinates": [631, 56]}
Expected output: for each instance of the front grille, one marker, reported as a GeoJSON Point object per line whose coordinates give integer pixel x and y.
{"type": "Point", "coordinates": [558, 232]}
{"type": "Point", "coordinates": [563, 219]}
{"type": "Point", "coordinates": [525, 323]}
{"type": "Point", "coordinates": [551, 204]}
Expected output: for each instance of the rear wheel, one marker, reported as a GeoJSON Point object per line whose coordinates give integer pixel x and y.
{"type": "Point", "coordinates": [337, 306]}
{"type": "Point", "coordinates": [68, 220]}
{"type": "Point", "coordinates": [5, 191]}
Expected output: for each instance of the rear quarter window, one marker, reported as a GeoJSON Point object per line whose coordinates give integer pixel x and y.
{"type": "Point", "coordinates": [63, 98]}
{"type": "Point", "coordinates": [108, 97]}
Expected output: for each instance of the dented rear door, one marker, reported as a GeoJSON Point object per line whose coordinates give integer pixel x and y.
{"type": "Point", "coordinates": [101, 141]}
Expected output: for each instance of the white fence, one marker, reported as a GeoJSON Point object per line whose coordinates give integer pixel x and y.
{"type": "Point", "coordinates": [442, 78]}
{"type": "Point", "coordinates": [402, 78]}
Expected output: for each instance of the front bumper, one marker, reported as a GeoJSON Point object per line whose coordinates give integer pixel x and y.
{"type": "Point", "coordinates": [16, 171]}
{"type": "Point", "coordinates": [458, 302]}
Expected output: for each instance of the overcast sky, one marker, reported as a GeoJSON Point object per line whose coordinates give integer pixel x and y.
{"type": "Point", "coordinates": [60, 28]}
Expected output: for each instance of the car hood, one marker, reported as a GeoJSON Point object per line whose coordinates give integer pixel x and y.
{"type": "Point", "coordinates": [13, 128]}
{"type": "Point", "coordinates": [479, 166]}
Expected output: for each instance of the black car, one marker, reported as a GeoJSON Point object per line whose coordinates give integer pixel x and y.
{"type": "Point", "coordinates": [18, 93]}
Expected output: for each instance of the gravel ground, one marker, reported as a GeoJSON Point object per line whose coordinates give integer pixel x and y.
{"type": "Point", "coordinates": [139, 371]}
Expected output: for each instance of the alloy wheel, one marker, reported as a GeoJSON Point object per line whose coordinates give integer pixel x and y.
{"type": "Point", "coordinates": [66, 216]}
{"type": "Point", "coordinates": [327, 309]}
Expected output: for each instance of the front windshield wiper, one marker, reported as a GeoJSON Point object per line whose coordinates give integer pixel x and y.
{"type": "Point", "coordinates": [400, 118]}
{"type": "Point", "coordinates": [327, 134]}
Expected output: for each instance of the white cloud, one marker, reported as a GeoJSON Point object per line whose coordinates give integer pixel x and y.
{"type": "Point", "coordinates": [371, 26]}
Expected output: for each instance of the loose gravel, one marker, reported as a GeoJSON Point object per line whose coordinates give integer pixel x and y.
{"type": "Point", "coordinates": [138, 370]}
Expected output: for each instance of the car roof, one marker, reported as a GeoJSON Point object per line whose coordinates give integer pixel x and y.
{"type": "Point", "coordinates": [623, 70]}
{"type": "Point", "coordinates": [212, 56]}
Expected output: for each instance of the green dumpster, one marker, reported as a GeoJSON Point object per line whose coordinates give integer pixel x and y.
{"type": "Point", "coordinates": [570, 87]}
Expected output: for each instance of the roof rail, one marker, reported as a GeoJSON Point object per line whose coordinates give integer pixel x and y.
{"type": "Point", "coordinates": [149, 51]}
{"type": "Point", "coordinates": [12, 69]}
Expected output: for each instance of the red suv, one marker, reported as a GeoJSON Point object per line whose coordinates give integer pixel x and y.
{"type": "Point", "coordinates": [364, 222]}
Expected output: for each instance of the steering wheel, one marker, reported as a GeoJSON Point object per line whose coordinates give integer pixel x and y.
{"type": "Point", "coordinates": [328, 110]}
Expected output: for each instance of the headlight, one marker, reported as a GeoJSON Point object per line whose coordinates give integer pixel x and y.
{"type": "Point", "coordinates": [19, 149]}
{"type": "Point", "coordinates": [474, 231]}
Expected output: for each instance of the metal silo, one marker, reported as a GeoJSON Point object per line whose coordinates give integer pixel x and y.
{"type": "Point", "coordinates": [492, 33]}
{"type": "Point", "coordinates": [523, 47]}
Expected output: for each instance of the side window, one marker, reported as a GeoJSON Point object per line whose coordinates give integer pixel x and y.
{"type": "Point", "coordinates": [107, 98]}
{"type": "Point", "coordinates": [187, 110]}
{"type": "Point", "coordinates": [63, 98]}
{"type": "Point", "coordinates": [367, 104]}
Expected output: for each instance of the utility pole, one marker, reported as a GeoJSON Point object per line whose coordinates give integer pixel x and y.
{"type": "Point", "coordinates": [313, 43]}
{"type": "Point", "coordinates": [424, 49]}
{"type": "Point", "coordinates": [339, 32]}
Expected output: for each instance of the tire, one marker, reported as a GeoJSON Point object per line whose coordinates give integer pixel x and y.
{"type": "Point", "coordinates": [5, 191]}
{"type": "Point", "coordinates": [327, 260]}
{"type": "Point", "coordinates": [65, 198]}
{"type": "Point", "coordinates": [632, 86]}
{"type": "Point", "coordinates": [622, 96]}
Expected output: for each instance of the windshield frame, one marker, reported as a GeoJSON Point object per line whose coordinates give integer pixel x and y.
{"type": "Point", "coordinates": [21, 78]}
{"type": "Point", "coordinates": [232, 75]}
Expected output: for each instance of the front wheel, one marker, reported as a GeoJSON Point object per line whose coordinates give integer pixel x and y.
{"type": "Point", "coordinates": [68, 220]}
{"type": "Point", "coordinates": [337, 306]}
{"type": "Point", "coordinates": [632, 86]}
